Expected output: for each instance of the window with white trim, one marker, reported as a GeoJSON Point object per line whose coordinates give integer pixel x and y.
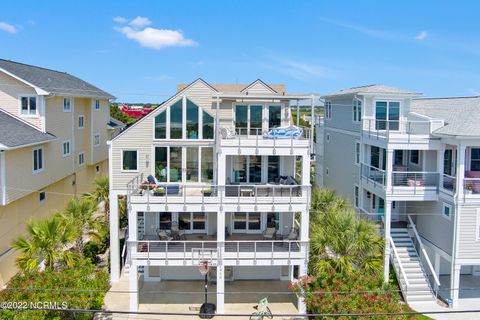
{"type": "Point", "coordinates": [38, 160]}
{"type": "Point", "coordinates": [66, 148]}
{"type": "Point", "coordinates": [67, 105]}
{"type": "Point", "coordinates": [81, 158]}
{"type": "Point", "coordinates": [97, 104]}
{"type": "Point", "coordinates": [96, 140]}
{"type": "Point", "coordinates": [129, 160]}
{"type": "Point", "coordinates": [81, 121]}
{"type": "Point", "coordinates": [357, 110]}
{"type": "Point", "coordinates": [328, 110]}
{"type": "Point", "coordinates": [42, 196]}
{"type": "Point", "coordinates": [357, 152]}
{"type": "Point", "coordinates": [356, 197]}
{"type": "Point", "coordinates": [447, 211]}
{"type": "Point", "coordinates": [28, 105]}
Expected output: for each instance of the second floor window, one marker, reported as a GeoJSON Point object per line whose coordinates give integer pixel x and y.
{"type": "Point", "coordinates": [81, 159]}
{"type": "Point", "coordinates": [475, 159]}
{"type": "Point", "coordinates": [97, 104]}
{"type": "Point", "coordinates": [357, 110]}
{"type": "Point", "coordinates": [81, 121]}
{"type": "Point", "coordinates": [37, 160]}
{"type": "Point", "coordinates": [66, 105]}
{"type": "Point", "coordinates": [66, 148]}
{"type": "Point", "coordinates": [96, 140]}
{"type": "Point", "coordinates": [328, 110]}
{"type": "Point", "coordinates": [387, 115]}
{"type": "Point", "coordinates": [28, 105]}
{"type": "Point", "coordinates": [448, 162]}
{"type": "Point", "coordinates": [357, 152]}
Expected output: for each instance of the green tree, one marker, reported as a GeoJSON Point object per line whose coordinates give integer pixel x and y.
{"type": "Point", "coordinates": [80, 213]}
{"type": "Point", "coordinates": [340, 240]}
{"type": "Point", "coordinates": [46, 241]}
{"type": "Point", "coordinates": [101, 194]}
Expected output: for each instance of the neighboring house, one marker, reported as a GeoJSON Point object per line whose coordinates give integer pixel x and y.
{"type": "Point", "coordinates": [136, 111]}
{"type": "Point", "coordinates": [226, 191]}
{"type": "Point", "coordinates": [414, 165]}
{"type": "Point", "coordinates": [53, 143]}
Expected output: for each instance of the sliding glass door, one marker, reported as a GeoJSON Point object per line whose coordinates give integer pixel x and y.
{"type": "Point", "coordinates": [192, 222]}
{"type": "Point", "coordinates": [248, 119]}
{"type": "Point", "coordinates": [247, 169]}
{"type": "Point", "coordinates": [241, 119]}
{"type": "Point", "coordinates": [274, 116]}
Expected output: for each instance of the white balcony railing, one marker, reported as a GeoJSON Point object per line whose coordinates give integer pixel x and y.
{"type": "Point", "coordinates": [373, 174]}
{"type": "Point", "coordinates": [415, 179]}
{"type": "Point", "coordinates": [176, 250]}
{"type": "Point", "coordinates": [471, 185]}
{"type": "Point", "coordinates": [449, 182]}
{"type": "Point", "coordinates": [255, 194]}
{"type": "Point", "coordinates": [386, 128]}
{"type": "Point", "coordinates": [257, 137]}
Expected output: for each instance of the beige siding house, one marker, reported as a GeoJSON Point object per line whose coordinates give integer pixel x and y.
{"type": "Point", "coordinates": [53, 133]}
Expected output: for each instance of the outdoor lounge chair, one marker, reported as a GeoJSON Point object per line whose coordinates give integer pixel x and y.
{"type": "Point", "coordinates": [269, 234]}
{"type": "Point", "coordinates": [163, 235]}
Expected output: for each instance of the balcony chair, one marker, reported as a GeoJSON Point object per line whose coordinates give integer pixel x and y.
{"type": "Point", "coordinates": [269, 234]}
{"type": "Point", "coordinates": [291, 236]}
{"type": "Point", "coordinates": [163, 235]}
{"type": "Point", "coordinates": [177, 233]}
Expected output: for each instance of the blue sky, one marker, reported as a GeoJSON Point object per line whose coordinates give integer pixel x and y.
{"type": "Point", "coordinates": [140, 50]}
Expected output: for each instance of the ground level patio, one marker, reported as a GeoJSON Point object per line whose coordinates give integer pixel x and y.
{"type": "Point", "coordinates": [164, 296]}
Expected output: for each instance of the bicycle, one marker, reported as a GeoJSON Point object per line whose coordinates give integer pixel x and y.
{"type": "Point", "coordinates": [262, 310]}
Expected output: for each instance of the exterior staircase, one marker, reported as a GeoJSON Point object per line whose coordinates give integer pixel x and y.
{"type": "Point", "coordinates": [413, 280]}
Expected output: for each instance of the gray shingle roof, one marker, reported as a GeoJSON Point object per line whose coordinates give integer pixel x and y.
{"type": "Point", "coordinates": [371, 89]}
{"type": "Point", "coordinates": [15, 133]}
{"type": "Point", "coordinates": [461, 115]}
{"type": "Point", "coordinates": [54, 82]}
{"type": "Point", "coordinates": [115, 123]}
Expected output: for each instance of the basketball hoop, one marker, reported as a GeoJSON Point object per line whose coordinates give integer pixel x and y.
{"type": "Point", "coordinates": [203, 267]}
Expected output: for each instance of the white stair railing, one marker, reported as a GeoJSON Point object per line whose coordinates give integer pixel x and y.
{"type": "Point", "coordinates": [396, 260]}
{"type": "Point", "coordinates": [424, 255]}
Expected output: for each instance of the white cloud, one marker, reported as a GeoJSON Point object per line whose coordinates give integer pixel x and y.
{"type": "Point", "coordinates": [7, 27]}
{"type": "Point", "coordinates": [156, 38]}
{"type": "Point", "coordinates": [375, 33]}
{"type": "Point", "coordinates": [140, 22]}
{"type": "Point", "coordinates": [422, 36]}
{"type": "Point", "coordinates": [120, 19]}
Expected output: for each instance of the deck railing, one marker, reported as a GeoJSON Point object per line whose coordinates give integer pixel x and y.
{"type": "Point", "coordinates": [471, 185]}
{"type": "Point", "coordinates": [415, 179]}
{"type": "Point", "coordinates": [204, 194]}
{"type": "Point", "coordinates": [449, 182]}
{"type": "Point", "coordinates": [385, 128]}
{"type": "Point", "coordinates": [375, 175]}
{"type": "Point", "coordinates": [233, 250]}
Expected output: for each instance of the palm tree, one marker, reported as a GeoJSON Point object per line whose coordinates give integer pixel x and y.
{"type": "Point", "coordinates": [80, 214]}
{"type": "Point", "coordinates": [101, 193]}
{"type": "Point", "coordinates": [340, 240]}
{"type": "Point", "coordinates": [46, 242]}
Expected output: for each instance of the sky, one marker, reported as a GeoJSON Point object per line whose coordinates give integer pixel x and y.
{"type": "Point", "coordinates": [140, 50]}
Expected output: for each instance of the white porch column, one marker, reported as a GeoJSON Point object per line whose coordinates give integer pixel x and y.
{"type": "Point", "coordinates": [220, 288]}
{"type": "Point", "coordinates": [460, 169]}
{"type": "Point", "coordinates": [302, 306]}
{"type": "Point", "coordinates": [133, 287]}
{"type": "Point", "coordinates": [388, 219]}
{"type": "Point", "coordinates": [114, 238]}
{"type": "Point", "coordinates": [389, 170]}
{"type": "Point", "coordinates": [305, 174]}
{"type": "Point", "coordinates": [455, 284]}
{"type": "Point", "coordinates": [437, 267]}
{"type": "Point", "coordinates": [440, 168]}
{"type": "Point", "coordinates": [221, 172]}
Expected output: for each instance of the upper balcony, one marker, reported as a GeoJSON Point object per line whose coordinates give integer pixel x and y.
{"type": "Point", "coordinates": [230, 197]}
{"type": "Point", "coordinates": [415, 185]}
{"type": "Point", "coordinates": [279, 140]}
{"type": "Point", "coordinates": [400, 131]}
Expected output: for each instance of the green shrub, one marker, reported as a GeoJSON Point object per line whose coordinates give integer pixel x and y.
{"type": "Point", "coordinates": [82, 276]}
{"type": "Point", "coordinates": [363, 294]}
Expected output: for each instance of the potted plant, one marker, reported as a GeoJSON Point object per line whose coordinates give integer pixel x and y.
{"type": "Point", "coordinates": [159, 192]}
{"type": "Point", "coordinates": [469, 188]}
{"type": "Point", "coordinates": [207, 192]}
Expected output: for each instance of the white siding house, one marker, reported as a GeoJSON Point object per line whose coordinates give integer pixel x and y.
{"type": "Point", "coordinates": [414, 167]}
{"type": "Point", "coordinates": [224, 189]}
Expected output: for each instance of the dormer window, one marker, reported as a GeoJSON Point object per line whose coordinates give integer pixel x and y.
{"type": "Point", "coordinates": [387, 115]}
{"type": "Point", "coordinates": [28, 105]}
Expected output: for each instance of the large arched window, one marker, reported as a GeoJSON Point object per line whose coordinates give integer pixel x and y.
{"type": "Point", "coordinates": [169, 124]}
